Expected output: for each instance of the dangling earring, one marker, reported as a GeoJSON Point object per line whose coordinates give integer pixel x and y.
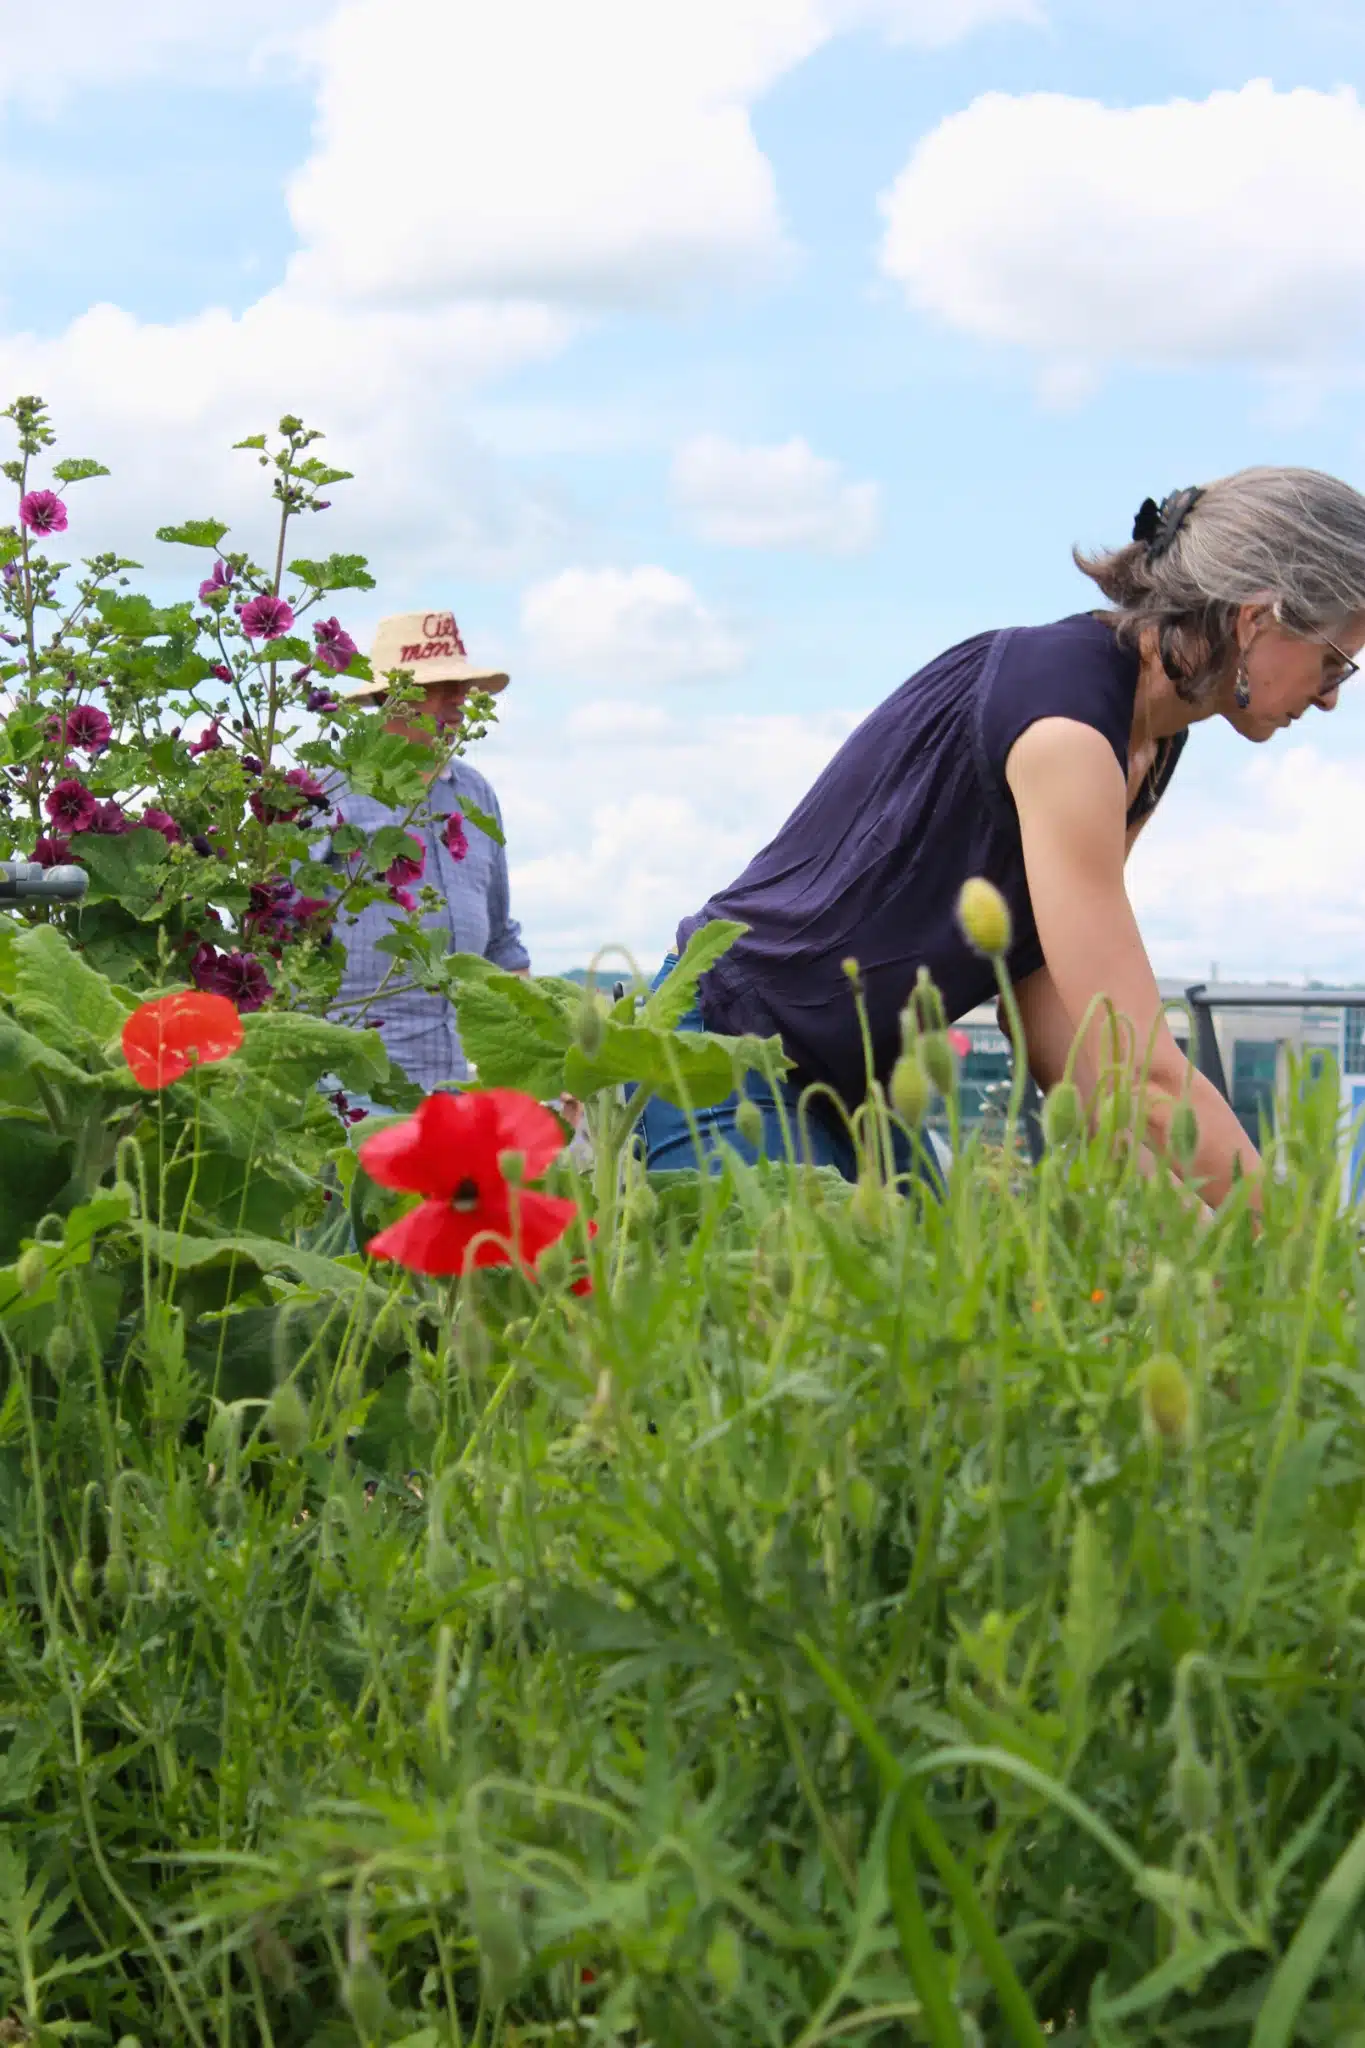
{"type": "Point", "coordinates": [1242, 692]}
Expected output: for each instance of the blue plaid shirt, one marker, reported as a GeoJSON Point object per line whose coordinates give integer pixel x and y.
{"type": "Point", "coordinates": [418, 1029]}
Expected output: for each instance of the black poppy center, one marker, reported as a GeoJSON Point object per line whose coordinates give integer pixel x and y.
{"type": "Point", "coordinates": [465, 1197]}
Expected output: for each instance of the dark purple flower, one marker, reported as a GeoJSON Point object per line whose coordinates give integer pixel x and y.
{"type": "Point", "coordinates": [43, 512]}
{"type": "Point", "coordinates": [336, 649]}
{"type": "Point", "coordinates": [71, 806]}
{"type": "Point", "coordinates": [301, 675]}
{"type": "Point", "coordinates": [321, 701]}
{"type": "Point", "coordinates": [88, 727]}
{"type": "Point", "coordinates": [242, 979]}
{"type": "Point", "coordinates": [218, 584]}
{"type": "Point", "coordinates": [10, 572]}
{"type": "Point", "coordinates": [11, 639]}
{"type": "Point", "coordinates": [404, 899]}
{"type": "Point", "coordinates": [252, 765]}
{"type": "Point", "coordinates": [208, 741]}
{"type": "Point", "coordinates": [111, 819]}
{"type": "Point", "coordinates": [305, 907]}
{"type": "Point", "coordinates": [52, 852]}
{"type": "Point", "coordinates": [457, 846]}
{"type": "Point", "coordinates": [266, 618]}
{"type": "Point", "coordinates": [161, 821]}
{"type": "Point", "coordinates": [221, 672]}
{"type": "Point", "coordinates": [408, 867]}
{"type": "Point", "coordinates": [272, 809]}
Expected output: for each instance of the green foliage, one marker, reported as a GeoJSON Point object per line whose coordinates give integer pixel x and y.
{"type": "Point", "coordinates": [338, 572]}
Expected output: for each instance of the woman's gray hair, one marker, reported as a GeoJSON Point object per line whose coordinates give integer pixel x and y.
{"type": "Point", "coordinates": [1296, 535]}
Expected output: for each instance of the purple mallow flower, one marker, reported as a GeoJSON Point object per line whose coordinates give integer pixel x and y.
{"type": "Point", "coordinates": [457, 846]}
{"type": "Point", "coordinates": [157, 820]}
{"type": "Point", "coordinates": [266, 618]}
{"type": "Point", "coordinates": [238, 976]}
{"type": "Point", "coordinates": [208, 741]}
{"type": "Point", "coordinates": [252, 765]}
{"type": "Point", "coordinates": [221, 672]}
{"type": "Point", "coordinates": [43, 512]}
{"type": "Point", "coordinates": [218, 584]}
{"type": "Point", "coordinates": [404, 898]}
{"type": "Point", "coordinates": [110, 819]}
{"type": "Point", "coordinates": [335, 648]}
{"type": "Point", "coordinates": [52, 852]}
{"type": "Point", "coordinates": [71, 806]}
{"type": "Point", "coordinates": [88, 727]}
{"type": "Point", "coordinates": [321, 701]}
{"type": "Point", "coordinates": [408, 867]}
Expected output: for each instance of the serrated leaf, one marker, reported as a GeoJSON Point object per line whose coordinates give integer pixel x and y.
{"type": "Point", "coordinates": [510, 1047]}
{"type": "Point", "coordinates": [296, 1050]}
{"type": "Point", "coordinates": [74, 469]}
{"type": "Point", "coordinates": [194, 533]}
{"type": "Point", "coordinates": [695, 1068]}
{"type": "Point", "coordinates": [128, 866]}
{"type": "Point", "coordinates": [337, 572]}
{"type": "Point", "coordinates": [135, 616]}
{"type": "Point", "coordinates": [673, 998]}
{"type": "Point", "coordinates": [56, 993]}
{"type": "Point", "coordinates": [481, 820]}
{"type": "Point", "coordinates": [251, 441]}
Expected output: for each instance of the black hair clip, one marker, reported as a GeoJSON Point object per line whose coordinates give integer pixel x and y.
{"type": "Point", "coordinates": [1158, 526]}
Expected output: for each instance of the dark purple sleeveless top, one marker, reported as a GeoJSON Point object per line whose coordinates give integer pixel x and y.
{"type": "Point", "coordinates": [870, 863]}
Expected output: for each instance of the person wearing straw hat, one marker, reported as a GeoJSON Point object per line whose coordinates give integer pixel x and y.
{"type": "Point", "coordinates": [466, 868]}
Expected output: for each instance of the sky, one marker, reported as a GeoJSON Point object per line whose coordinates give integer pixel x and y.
{"type": "Point", "coordinates": [717, 364]}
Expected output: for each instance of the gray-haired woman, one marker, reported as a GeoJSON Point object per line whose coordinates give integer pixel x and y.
{"type": "Point", "coordinates": [1034, 757]}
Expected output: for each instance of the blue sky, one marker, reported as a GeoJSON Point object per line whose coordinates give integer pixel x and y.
{"type": "Point", "coordinates": [643, 371]}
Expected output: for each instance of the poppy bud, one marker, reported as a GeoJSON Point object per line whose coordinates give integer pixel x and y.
{"type": "Point", "coordinates": [1166, 1404]}
{"type": "Point", "coordinates": [366, 1998]}
{"type": "Point", "coordinates": [554, 1265]}
{"type": "Point", "coordinates": [939, 1064]}
{"type": "Point", "coordinates": [850, 968]}
{"type": "Point", "coordinates": [229, 1508]}
{"type": "Point", "coordinates": [910, 1090]}
{"type": "Point", "coordinates": [928, 1003]}
{"type": "Point", "coordinates": [287, 1419]}
{"type": "Point", "coordinates": [641, 1205]}
{"type": "Point", "coordinates": [909, 1027]}
{"type": "Point", "coordinates": [867, 1206]}
{"type": "Point", "coordinates": [749, 1123]}
{"type": "Point", "coordinates": [1184, 1134]}
{"type": "Point", "coordinates": [512, 1167]}
{"type": "Point", "coordinates": [82, 1581]}
{"type": "Point", "coordinates": [725, 1960]}
{"type": "Point", "coordinates": [1062, 1114]}
{"type": "Point", "coordinates": [423, 1406]}
{"type": "Point", "coordinates": [118, 1580]}
{"type": "Point", "coordinates": [591, 1030]}
{"type": "Point", "coordinates": [61, 1351]}
{"type": "Point", "coordinates": [30, 1268]}
{"type": "Point", "coordinates": [1194, 1792]}
{"type": "Point", "coordinates": [984, 917]}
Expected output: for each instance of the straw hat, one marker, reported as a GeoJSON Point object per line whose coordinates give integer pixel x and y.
{"type": "Point", "coordinates": [429, 644]}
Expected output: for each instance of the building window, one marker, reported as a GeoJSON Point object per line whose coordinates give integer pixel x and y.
{"type": "Point", "coordinates": [1255, 1065]}
{"type": "Point", "coordinates": [1355, 1041]}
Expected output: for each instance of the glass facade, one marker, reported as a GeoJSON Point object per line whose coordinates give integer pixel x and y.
{"type": "Point", "coordinates": [1255, 1067]}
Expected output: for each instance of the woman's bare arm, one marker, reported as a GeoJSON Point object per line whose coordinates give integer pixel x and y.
{"type": "Point", "coordinates": [1069, 792]}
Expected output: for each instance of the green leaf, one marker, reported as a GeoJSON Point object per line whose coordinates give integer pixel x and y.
{"type": "Point", "coordinates": [128, 867]}
{"type": "Point", "coordinates": [266, 1254]}
{"type": "Point", "coordinates": [296, 1050]}
{"type": "Point", "coordinates": [337, 572]}
{"type": "Point", "coordinates": [673, 998]}
{"type": "Point", "coordinates": [74, 469]}
{"type": "Point", "coordinates": [472, 815]}
{"type": "Point", "coordinates": [194, 533]}
{"type": "Point", "coordinates": [315, 471]}
{"type": "Point", "coordinates": [251, 441]}
{"type": "Point", "coordinates": [55, 992]}
{"type": "Point", "coordinates": [135, 616]}
{"type": "Point", "coordinates": [1333, 1906]}
{"type": "Point", "coordinates": [695, 1068]}
{"type": "Point", "coordinates": [511, 1047]}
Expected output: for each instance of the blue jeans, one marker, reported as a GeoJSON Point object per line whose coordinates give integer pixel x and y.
{"type": "Point", "coordinates": [820, 1137]}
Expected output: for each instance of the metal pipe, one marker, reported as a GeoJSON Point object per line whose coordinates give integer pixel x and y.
{"type": "Point", "coordinates": [28, 881]}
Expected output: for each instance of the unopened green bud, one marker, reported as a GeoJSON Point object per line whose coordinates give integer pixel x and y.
{"type": "Point", "coordinates": [287, 1419]}
{"type": "Point", "coordinates": [909, 1029]}
{"type": "Point", "coordinates": [642, 1205]}
{"type": "Point", "coordinates": [1166, 1402]}
{"type": "Point", "coordinates": [1062, 1114]}
{"type": "Point", "coordinates": [910, 1090]}
{"type": "Point", "coordinates": [229, 1508]}
{"type": "Point", "coordinates": [61, 1351]}
{"type": "Point", "coordinates": [749, 1123]}
{"type": "Point", "coordinates": [516, 1332]}
{"type": "Point", "coordinates": [118, 1580]}
{"type": "Point", "coordinates": [591, 1029]}
{"type": "Point", "coordinates": [862, 1501]}
{"type": "Point", "coordinates": [984, 917]}
{"type": "Point", "coordinates": [725, 1960]}
{"type": "Point", "coordinates": [30, 1268]}
{"type": "Point", "coordinates": [366, 1998]}
{"type": "Point", "coordinates": [939, 1064]}
{"type": "Point", "coordinates": [423, 1405]}
{"type": "Point", "coordinates": [867, 1206]}
{"type": "Point", "coordinates": [82, 1581]}
{"type": "Point", "coordinates": [512, 1167]}
{"type": "Point", "coordinates": [928, 1003]}
{"type": "Point", "coordinates": [1184, 1134]}
{"type": "Point", "coordinates": [554, 1265]}
{"type": "Point", "coordinates": [1194, 1792]}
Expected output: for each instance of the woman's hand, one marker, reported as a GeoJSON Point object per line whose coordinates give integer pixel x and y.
{"type": "Point", "coordinates": [1071, 798]}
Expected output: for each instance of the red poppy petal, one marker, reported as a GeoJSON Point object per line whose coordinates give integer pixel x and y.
{"type": "Point", "coordinates": [162, 1039]}
{"type": "Point", "coordinates": [541, 1220]}
{"type": "Point", "coordinates": [526, 1126]}
{"type": "Point", "coordinates": [439, 1240]}
{"type": "Point", "coordinates": [450, 1139]}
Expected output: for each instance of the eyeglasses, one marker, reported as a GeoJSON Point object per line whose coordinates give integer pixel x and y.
{"type": "Point", "coordinates": [1331, 680]}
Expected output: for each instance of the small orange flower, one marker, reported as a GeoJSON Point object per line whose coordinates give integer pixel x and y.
{"type": "Point", "coordinates": [1099, 1295]}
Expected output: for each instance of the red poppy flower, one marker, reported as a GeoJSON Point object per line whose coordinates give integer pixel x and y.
{"type": "Point", "coordinates": [451, 1153]}
{"type": "Point", "coordinates": [960, 1042]}
{"type": "Point", "coordinates": [164, 1039]}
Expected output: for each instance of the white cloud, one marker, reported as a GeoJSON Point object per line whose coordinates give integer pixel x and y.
{"type": "Point", "coordinates": [934, 23]}
{"type": "Point", "coordinates": [778, 497]}
{"type": "Point", "coordinates": [1261, 866]}
{"type": "Point", "coordinates": [617, 829]}
{"type": "Point", "coordinates": [51, 52]}
{"type": "Point", "coordinates": [162, 404]}
{"type": "Point", "coordinates": [632, 626]}
{"type": "Point", "coordinates": [1223, 230]}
